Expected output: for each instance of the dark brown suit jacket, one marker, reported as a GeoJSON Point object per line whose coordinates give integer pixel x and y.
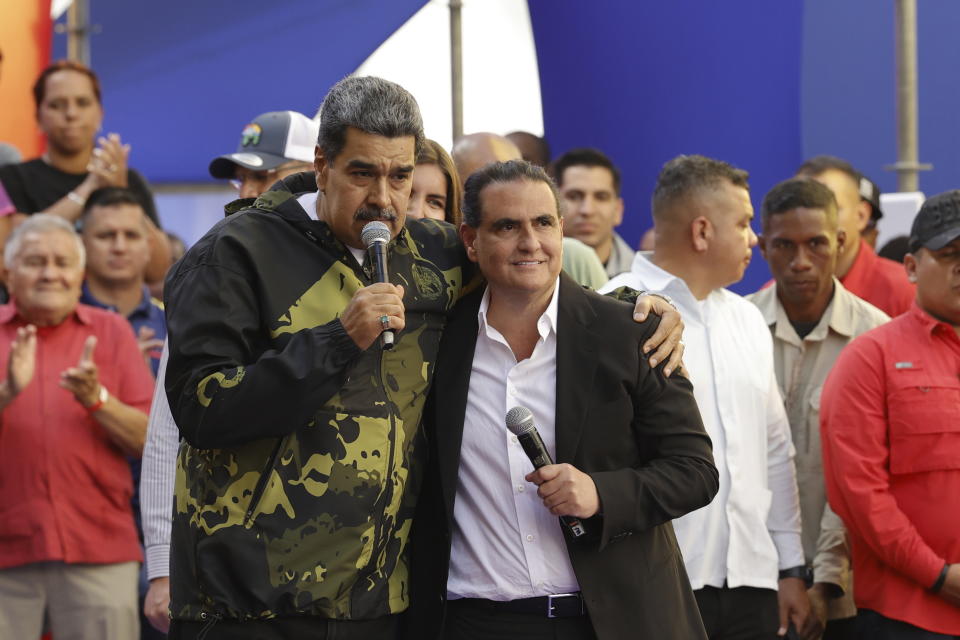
{"type": "Point", "coordinates": [639, 436]}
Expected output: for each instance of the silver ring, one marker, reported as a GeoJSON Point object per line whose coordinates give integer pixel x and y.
{"type": "Point", "coordinates": [665, 298]}
{"type": "Point", "coordinates": [384, 320]}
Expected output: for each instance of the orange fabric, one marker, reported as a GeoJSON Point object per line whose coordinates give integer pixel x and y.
{"type": "Point", "coordinates": [25, 39]}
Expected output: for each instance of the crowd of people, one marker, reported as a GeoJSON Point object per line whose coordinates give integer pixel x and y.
{"type": "Point", "coordinates": [251, 459]}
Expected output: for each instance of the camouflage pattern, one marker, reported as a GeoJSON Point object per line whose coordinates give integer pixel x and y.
{"type": "Point", "coordinates": [316, 522]}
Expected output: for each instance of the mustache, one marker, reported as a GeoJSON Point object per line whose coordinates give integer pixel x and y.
{"type": "Point", "coordinates": [366, 214]}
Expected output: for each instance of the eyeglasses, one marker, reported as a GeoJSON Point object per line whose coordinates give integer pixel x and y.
{"type": "Point", "coordinates": [268, 176]}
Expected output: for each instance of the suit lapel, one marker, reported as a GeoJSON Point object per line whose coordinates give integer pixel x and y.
{"type": "Point", "coordinates": [576, 366]}
{"type": "Point", "coordinates": [450, 387]}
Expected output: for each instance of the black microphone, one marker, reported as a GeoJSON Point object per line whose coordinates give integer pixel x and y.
{"type": "Point", "coordinates": [520, 424]}
{"type": "Point", "coordinates": [375, 236]}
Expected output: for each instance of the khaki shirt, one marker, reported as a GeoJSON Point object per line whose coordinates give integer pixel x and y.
{"type": "Point", "coordinates": [802, 367]}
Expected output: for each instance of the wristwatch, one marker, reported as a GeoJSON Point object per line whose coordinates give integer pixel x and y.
{"type": "Point", "coordinates": [102, 397]}
{"type": "Point", "coordinates": [801, 571]}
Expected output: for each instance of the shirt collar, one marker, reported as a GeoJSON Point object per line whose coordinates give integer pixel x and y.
{"type": "Point", "coordinates": [8, 312]}
{"type": "Point", "coordinates": [927, 321]}
{"type": "Point", "coordinates": [656, 279]}
{"type": "Point", "coordinates": [839, 315]}
{"type": "Point", "coordinates": [546, 324]}
{"type": "Point", "coordinates": [143, 308]}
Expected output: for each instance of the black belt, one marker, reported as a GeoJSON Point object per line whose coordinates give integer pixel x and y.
{"type": "Point", "coordinates": [561, 605]}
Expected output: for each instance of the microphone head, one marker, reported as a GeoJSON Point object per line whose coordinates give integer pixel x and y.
{"type": "Point", "coordinates": [520, 421]}
{"type": "Point", "coordinates": [374, 231]}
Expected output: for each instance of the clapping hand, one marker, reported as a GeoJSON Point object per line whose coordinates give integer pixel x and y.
{"type": "Point", "coordinates": [83, 380]}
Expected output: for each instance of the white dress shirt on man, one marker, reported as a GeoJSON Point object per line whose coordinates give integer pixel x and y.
{"type": "Point", "coordinates": [752, 527]}
{"type": "Point", "coordinates": [157, 476]}
{"type": "Point", "coordinates": [506, 545]}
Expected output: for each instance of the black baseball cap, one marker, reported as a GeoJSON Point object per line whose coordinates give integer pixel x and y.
{"type": "Point", "coordinates": [272, 139]}
{"type": "Point", "coordinates": [938, 222]}
{"type": "Point", "coordinates": [870, 192]}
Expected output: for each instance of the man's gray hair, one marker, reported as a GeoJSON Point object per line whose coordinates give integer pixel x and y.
{"type": "Point", "coordinates": [40, 223]}
{"type": "Point", "coordinates": [372, 105]}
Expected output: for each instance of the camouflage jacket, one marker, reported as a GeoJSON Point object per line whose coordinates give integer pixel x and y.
{"type": "Point", "coordinates": [296, 482]}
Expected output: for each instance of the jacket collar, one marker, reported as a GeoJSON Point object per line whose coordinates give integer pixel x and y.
{"type": "Point", "coordinates": [840, 315]}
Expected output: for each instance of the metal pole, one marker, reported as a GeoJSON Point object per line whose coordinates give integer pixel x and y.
{"type": "Point", "coordinates": [908, 161]}
{"type": "Point", "coordinates": [78, 31]}
{"type": "Point", "coordinates": [456, 68]}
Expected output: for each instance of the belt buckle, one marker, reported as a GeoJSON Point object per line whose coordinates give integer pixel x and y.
{"type": "Point", "coordinates": [557, 596]}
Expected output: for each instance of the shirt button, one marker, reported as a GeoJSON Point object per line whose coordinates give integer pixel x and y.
{"type": "Point", "coordinates": [514, 439]}
{"type": "Point", "coordinates": [521, 488]}
{"type": "Point", "coordinates": [529, 538]}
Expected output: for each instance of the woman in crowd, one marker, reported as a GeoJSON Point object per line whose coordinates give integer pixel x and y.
{"type": "Point", "coordinates": [76, 162]}
{"type": "Point", "coordinates": [436, 186]}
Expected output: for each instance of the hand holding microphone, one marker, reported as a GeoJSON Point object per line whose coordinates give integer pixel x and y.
{"type": "Point", "coordinates": [377, 310]}
{"type": "Point", "coordinates": [564, 489]}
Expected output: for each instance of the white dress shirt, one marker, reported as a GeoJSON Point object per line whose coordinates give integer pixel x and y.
{"type": "Point", "coordinates": [157, 475]}
{"type": "Point", "coordinates": [506, 545]}
{"type": "Point", "coordinates": [752, 527]}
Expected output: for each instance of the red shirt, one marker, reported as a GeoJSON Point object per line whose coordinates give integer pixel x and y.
{"type": "Point", "coordinates": [64, 486]}
{"type": "Point", "coordinates": [881, 282]}
{"type": "Point", "coordinates": [890, 424]}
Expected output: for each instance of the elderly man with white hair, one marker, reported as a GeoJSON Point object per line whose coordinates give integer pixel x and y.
{"type": "Point", "coordinates": [72, 406]}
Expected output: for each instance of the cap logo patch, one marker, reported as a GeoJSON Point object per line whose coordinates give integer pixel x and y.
{"type": "Point", "coordinates": [251, 135]}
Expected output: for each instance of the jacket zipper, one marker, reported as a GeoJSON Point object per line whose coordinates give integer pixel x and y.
{"type": "Point", "coordinates": [261, 485]}
{"type": "Point", "coordinates": [378, 529]}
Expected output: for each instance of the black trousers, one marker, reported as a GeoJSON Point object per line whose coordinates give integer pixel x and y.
{"type": "Point", "coordinates": [468, 622]}
{"type": "Point", "coordinates": [841, 629]}
{"type": "Point", "coordinates": [874, 626]}
{"type": "Point", "coordinates": [300, 628]}
{"type": "Point", "coordinates": [744, 613]}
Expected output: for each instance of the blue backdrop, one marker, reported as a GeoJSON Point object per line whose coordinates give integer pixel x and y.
{"type": "Point", "coordinates": [849, 93]}
{"type": "Point", "coordinates": [181, 79]}
{"type": "Point", "coordinates": [756, 83]}
{"type": "Point", "coordinates": [647, 81]}
{"type": "Point", "coordinates": [760, 84]}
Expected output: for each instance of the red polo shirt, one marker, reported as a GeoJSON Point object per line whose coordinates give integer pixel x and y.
{"type": "Point", "coordinates": [64, 486]}
{"type": "Point", "coordinates": [881, 282]}
{"type": "Point", "coordinates": [890, 422]}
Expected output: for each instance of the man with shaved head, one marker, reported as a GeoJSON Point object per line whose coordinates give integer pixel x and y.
{"type": "Point", "coordinates": [743, 552]}
{"type": "Point", "coordinates": [475, 151]}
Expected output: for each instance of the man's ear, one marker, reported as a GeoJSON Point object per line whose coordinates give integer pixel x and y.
{"type": "Point", "coordinates": [701, 232]}
{"type": "Point", "coordinates": [841, 240]}
{"type": "Point", "coordinates": [468, 235]}
{"type": "Point", "coordinates": [618, 213]}
{"type": "Point", "coordinates": [320, 167]}
{"type": "Point", "coordinates": [761, 242]}
{"type": "Point", "coordinates": [910, 264]}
